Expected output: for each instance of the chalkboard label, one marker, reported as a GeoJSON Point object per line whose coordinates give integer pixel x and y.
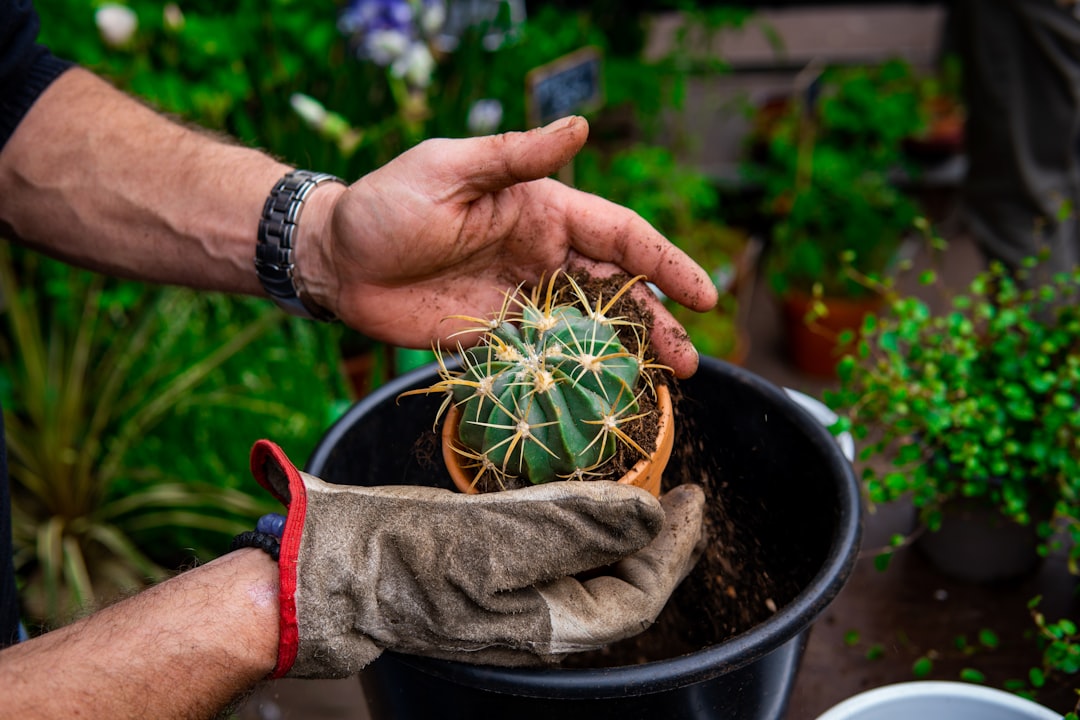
{"type": "Point", "coordinates": [567, 86]}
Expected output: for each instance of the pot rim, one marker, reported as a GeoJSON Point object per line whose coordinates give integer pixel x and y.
{"type": "Point", "coordinates": [661, 675]}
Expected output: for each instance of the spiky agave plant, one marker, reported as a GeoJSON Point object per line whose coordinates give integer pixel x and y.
{"type": "Point", "coordinates": [550, 388]}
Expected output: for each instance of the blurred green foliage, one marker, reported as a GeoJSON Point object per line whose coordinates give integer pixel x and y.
{"type": "Point", "coordinates": [973, 401]}
{"type": "Point", "coordinates": [684, 204]}
{"type": "Point", "coordinates": [828, 164]}
{"type": "Point", "coordinates": [129, 412]}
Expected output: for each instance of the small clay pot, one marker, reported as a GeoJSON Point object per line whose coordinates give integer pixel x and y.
{"type": "Point", "coordinates": [645, 474]}
{"type": "Point", "coordinates": [817, 351]}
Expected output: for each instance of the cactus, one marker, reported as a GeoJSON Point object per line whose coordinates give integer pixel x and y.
{"type": "Point", "coordinates": [546, 393]}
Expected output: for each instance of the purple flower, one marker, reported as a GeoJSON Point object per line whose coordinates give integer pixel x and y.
{"type": "Point", "coordinates": [384, 31]}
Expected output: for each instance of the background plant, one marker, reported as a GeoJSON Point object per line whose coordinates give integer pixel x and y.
{"type": "Point", "coordinates": [129, 414]}
{"type": "Point", "coordinates": [684, 204]}
{"type": "Point", "coordinates": [827, 166]}
{"type": "Point", "coordinates": [975, 401]}
{"type": "Point", "coordinates": [973, 395]}
{"type": "Point", "coordinates": [1060, 645]}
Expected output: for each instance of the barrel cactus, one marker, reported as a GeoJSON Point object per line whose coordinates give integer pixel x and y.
{"type": "Point", "coordinates": [547, 392]}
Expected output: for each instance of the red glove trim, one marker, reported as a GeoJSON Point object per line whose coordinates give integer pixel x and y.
{"type": "Point", "coordinates": [262, 453]}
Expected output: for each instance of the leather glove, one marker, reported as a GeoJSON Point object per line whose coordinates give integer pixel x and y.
{"type": "Point", "coordinates": [475, 578]}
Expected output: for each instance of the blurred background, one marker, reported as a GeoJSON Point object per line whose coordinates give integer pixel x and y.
{"type": "Point", "coordinates": [780, 144]}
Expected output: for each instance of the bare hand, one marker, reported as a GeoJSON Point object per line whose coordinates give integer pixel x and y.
{"type": "Point", "coordinates": [449, 226]}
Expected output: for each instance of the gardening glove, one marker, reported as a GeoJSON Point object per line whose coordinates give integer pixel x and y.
{"type": "Point", "coordinates": [476, 578]}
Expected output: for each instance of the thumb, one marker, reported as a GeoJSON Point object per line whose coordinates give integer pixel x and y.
{"type": "Point", "coordinates": [491, 163]}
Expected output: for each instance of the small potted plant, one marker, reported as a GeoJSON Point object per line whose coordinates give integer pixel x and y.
{"type": "Point", "coordinates": [558, 387]}
{"type": "Point", "coordinates": [973, 411]}
{"type": "Point", "coordinates": [828, 178]}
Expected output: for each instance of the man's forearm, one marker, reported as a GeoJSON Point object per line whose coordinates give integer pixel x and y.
{"type": "Point", "coordinates": [183, 649]}
{"type": "Point", "coordinates": [94, 178]}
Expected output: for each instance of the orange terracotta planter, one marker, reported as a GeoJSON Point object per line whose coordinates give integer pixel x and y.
{"type": "Point", "coordinates": [646, 473]}
{"type": "Point", "coordinates": [816, 350]}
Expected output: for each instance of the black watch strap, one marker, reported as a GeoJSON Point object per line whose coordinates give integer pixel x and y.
{"type": "Point", "coordinates": [274, 261]}
{"type": "Point", "coordinates": [270, 544]}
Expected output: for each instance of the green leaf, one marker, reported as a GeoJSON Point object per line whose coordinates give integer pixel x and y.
{"type": "Point", "coordinates": [922, 667]}
{"type": "Point", "coordinates": [972, 676]}
{"type": "Point", "coordinates": [988, 638]}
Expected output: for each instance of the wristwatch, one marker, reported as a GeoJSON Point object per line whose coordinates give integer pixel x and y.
{"type": "Point", "coordinates": [276, 241]}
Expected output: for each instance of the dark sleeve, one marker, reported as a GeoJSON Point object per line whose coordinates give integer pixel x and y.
{"type": "Point", "coordinates": [26, 68]}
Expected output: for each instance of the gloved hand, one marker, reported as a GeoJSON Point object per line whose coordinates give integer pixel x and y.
{"type": "Point", "coordinates": [475, 578]}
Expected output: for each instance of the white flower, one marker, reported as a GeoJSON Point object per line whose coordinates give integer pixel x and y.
{"type": "Point", "coordinates": [432, 17]}
{"type": "Point", "coordinates": [386, 46]}
{"type": "Point", "coordinates": [415, 65]}
{"type": "Point", "coordinates": [308, 108]}
{"type": "Point", "coordinates": [485, 117]}
{"type": "Point", "coordinates": [116, 23]}
{"type": "Point", "coordinates": [173, 17]}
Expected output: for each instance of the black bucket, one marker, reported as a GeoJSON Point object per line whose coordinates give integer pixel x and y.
{"type": "Point", "coordinates": [782, 479]}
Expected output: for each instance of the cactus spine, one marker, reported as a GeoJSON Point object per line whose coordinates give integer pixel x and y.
{"type": "Point", "coordinates": [546, 393]}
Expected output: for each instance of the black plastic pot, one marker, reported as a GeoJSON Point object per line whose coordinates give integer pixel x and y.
{"type": "Point", "coordinates": [782, 493]}
{"type": "Point", "coordinates": [977, 544]}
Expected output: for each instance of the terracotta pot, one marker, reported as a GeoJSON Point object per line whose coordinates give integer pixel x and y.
{"type": "Point", "coordinates": [360, 371]}
{"type": "Point", "coordinates": [815, 349]}
{"type": "Point", "coordinates": [645, 474]}
{"type": "Point", "coordinates": [741, 351]}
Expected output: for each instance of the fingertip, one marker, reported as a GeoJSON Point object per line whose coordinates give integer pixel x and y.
{"type": "Point", "coordinates": [685, 511]}
{"type": "Point", "coordinates": [675, 349]}
{"type": "Point", "coordinates": [704, 294]}
{"type": "Point", "coordinates": [571, 134]}
{"type": "Point", "coordinates": [687, 363]}
{"type": "Point", "coordinates": [688, 495]}
{"type": "Point", "coordinates": [571, 124]}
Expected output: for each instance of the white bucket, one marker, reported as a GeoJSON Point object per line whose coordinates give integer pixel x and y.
{"type": "Point", "coordinates": [938, 701]}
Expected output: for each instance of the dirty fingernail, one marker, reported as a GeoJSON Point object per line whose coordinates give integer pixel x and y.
{"type": "Point", "coordinates": [558, 125]}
